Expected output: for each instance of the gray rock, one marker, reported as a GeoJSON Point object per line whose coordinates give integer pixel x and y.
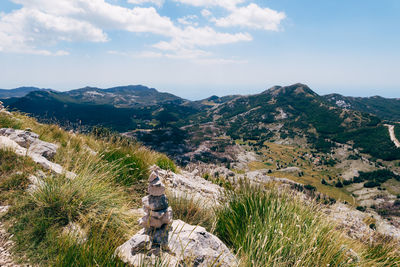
{"type": "Point", "coordinates": [156, 187]}
{"type": "Point", "coordinates": [47, 150]}
{"type": "Point", "coordinates": [153, 176]}
{"type": "Point", "coordinates": [22, 138]}
{"type": "Point", "coordinates": [187, 245]}
{"type": "Point", "coordinates": [7, 143]}
{"type": "Point", "coordinates": [149, 220]}
{"type": "Point", "coordinates": [155, 203]}
{"type": "Point", "coordinates": [74, 231]}
{"type": "Point", "coordinates": [158, 214]}
{"type": "Point", "coordinates": [30, 141]}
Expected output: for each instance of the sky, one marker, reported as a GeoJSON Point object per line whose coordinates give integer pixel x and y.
{"type": "Point", "coordinates": [198, 48]}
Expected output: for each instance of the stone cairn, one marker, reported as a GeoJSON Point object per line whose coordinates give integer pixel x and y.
{"type": "Point", "coordinates": [158, 215]}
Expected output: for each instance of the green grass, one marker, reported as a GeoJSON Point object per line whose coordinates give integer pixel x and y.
{"type": "Point", "coordinates": [264, 226]}
{"type": "Point", "coordinates": [92, 199]}
{"type": "Point", "coordinates": [130, 167]}
{"type": "Point", "coordinates": [166, 164]}
{"type": "Point", "coordinates": [110, 181]}
{"type": "Point", "coordinates": [14, 173]}
{"type": "Point", "coordinates": [192, 211]}
{"type": "Point", "coordinates": [267, 227]}
{"type": "Point", "coordinates": [7, 121]}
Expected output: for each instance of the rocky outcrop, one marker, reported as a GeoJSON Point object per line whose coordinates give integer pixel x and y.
{"type": "Point", "coordinates": [6, 259]}
{"type": "Point", "coordinates": [3, 110]}
{"type": "Point", "coordinates": [356, 224]}
{"type": "Point", "coordinates": [31, 142]}
{"type": "Point", "coordinates": [188, 184]}
{"type": "Point", "coordinates": [188, 246]}
{"type": "Point", "coordinates": [21, 141]}
{"type": "Point", "coordinates": [175, 243]}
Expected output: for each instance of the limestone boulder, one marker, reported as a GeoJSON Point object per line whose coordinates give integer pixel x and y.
{"type": "Point", "coordinates": [187, 245]}
{"type": "Point", "coordinates": [31, 142]}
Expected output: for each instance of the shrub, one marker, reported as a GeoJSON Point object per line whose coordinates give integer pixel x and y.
{"type": "Point", "coordinates": [7, 121]}
{"type": "Point", "coordinates": [91, 199]}
{"type": "Point", "coordinates": [346, 182]}
{"type": "Point", "coordinates": [371, 184]}
{"type": "Point", "coordinates": [262, 225]}
{"type": "Point", "coordinates": [192, 211]}
{"type": "Point", "coordinates": [310, 187]}
{"type": "Point", "coordinates": [339, 184]}
{"type": "Point", "coordinates": [129, 166]}
{"type": "Point", "coordinates": [361, 208]}
{"type": "Point", "coordinates": [165, 163]}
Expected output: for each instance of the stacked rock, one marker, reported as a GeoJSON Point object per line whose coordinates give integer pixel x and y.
{"type": "Point", "coordinates": [1, 105]}
{"type": "Point", "coordinates": [158, 215]}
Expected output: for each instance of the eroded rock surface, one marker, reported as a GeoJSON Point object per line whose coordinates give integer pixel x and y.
{"type": "Point", "coordinates": [6, 244]}
{"type": "Point", "coordinates": [16, 140]}
{"type": "Point", "coordinates": [356, 224]}
{"type": "Point", "coordinates": [188, 245]}
{"type": "Point", "coordinates": [31, 142]}
{"type": "Point", "coordinates": [189, 184]}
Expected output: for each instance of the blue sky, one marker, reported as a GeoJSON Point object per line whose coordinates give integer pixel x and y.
{"type": "Point", "coordinates": [197, 48]}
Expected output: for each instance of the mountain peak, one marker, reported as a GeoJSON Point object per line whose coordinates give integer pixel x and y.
{"type": "Point", "coordinates": [296, 89]}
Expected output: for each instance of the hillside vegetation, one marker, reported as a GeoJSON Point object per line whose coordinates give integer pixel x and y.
{"type": "Point", "coordinates": [111, 179]}
{"type": "Point", "coordinates": [385, 108]}
{"type": "Point", "coordinates": [262, 225]}
{"type": "Point", "coordinates": [175, 126]}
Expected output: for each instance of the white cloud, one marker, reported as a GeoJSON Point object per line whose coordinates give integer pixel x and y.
{"type": "Point", "coordinates": [148, 54]}
{"type": "Point", "coordinates": [228, 4]}
{"type": "Point", "coordinates": [118, 53]}
{"type": "Point", "coordinates": [189, 20]}
{"type": "Point", "coordinates": [192, 37]}
{"type": "Point", "coordinates": [40, 25]}
{"type": "Point", "coordinates": [206, 13]}
{"type": "Point", "coordinates": [253, 16]}
{"type": "Point", "coordinates": [158, 3]}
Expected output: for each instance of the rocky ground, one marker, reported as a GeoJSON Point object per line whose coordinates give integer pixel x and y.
{"type": "Point", "coordinates": [6, 244]}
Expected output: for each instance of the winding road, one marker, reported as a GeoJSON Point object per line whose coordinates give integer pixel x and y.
{"type": "Point", "coordinates": [393, 135]}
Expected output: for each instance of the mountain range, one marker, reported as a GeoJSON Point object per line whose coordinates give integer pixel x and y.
{"type": "Point", "coordinates": [168, 123]}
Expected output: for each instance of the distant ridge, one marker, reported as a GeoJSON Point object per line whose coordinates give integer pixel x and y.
{"type": "Point", "coordinates": [19, 92]}
{"type": "Point", "coordinates": [385, 108]}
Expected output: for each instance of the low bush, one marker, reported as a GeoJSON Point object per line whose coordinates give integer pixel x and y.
{"type": "Point", "coordinates": [130, 167]}
{"type": "Point", "coordinates": [361, 208]}
{"type": "Point", "coordinates": [165, 163]}
{"type": "Point", "coordinates": [339, 184]}
{"type": "Point", "coordinates": [262, 225]}
{"type": "Point", "coordinates": [192, 210]}
{"type": "Point", "coordinates": [92, 200]}
{"type": "Point", "coordinates": [371, 184]}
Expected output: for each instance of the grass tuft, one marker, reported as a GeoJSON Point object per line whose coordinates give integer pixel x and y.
{"type": "Point", "coordinates": [192, 211]}
{"type": "Point", "coordinates": [270, 227]}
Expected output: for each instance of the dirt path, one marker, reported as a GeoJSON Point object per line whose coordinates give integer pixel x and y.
{"type": "Point", "coordinates": [393, 135]}
{"type": "Point", "coordinates": [6, 244]}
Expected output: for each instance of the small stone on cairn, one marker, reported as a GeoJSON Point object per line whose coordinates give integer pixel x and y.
{"type": "Point", "coordinates": [158, 216]}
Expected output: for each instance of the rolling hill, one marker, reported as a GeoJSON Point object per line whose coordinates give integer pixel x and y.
{"type": "Point", "coordinates": [385, 108]}
{"type": "Point", "coordinates": [292, 114]}
{"type": "Point", "coordinates": [18, 92]}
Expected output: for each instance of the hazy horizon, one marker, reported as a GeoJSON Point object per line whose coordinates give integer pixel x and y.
{"type": "Point", "coordinates": [239, 92]}
{"type": "Point", "coordinates": [198, 48]}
